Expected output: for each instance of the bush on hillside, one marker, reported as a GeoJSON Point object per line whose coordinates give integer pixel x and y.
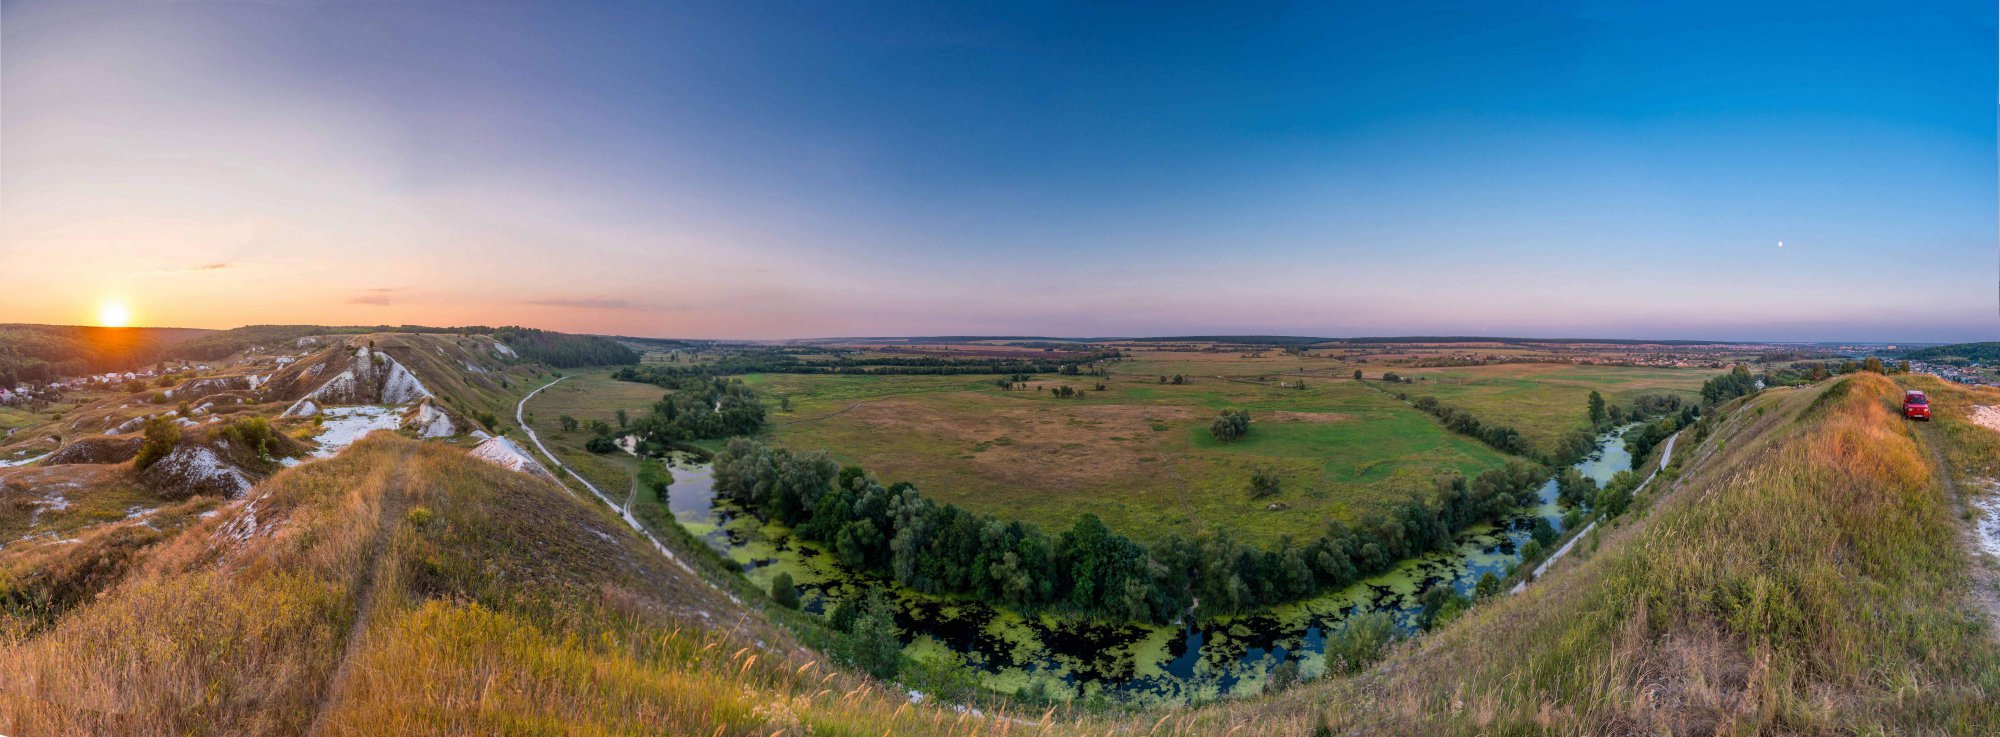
{"type": "Point", "coordinates": [783, 591]}
{"type": "Point", "coordinates": [161, 437]}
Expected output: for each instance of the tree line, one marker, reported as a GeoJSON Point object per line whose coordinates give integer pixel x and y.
{"type": "Point", "coordinates": [1500, 437]}
{"type": "Point", "coordinates": [564, 350]}
{"type": "Point", "coordinates": [939, 548]}
{"type": "Point", "coordinates": [781, 363]}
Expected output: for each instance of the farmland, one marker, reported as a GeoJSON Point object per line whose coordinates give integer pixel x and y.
{"type": "Point", "coordinates": [1139, 454]}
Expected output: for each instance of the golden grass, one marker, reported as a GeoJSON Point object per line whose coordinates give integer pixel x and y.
{"type": "Point", "coordinates": [1803, 575]}
{"type": "Point", "coordinates": [1807, 577]}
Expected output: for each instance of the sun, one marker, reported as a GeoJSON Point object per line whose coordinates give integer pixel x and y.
{"type": "Point", "coordinates": [113, 315]}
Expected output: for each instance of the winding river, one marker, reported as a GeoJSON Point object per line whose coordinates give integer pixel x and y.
{"type": "Point", "coordinates": [1135, 663]}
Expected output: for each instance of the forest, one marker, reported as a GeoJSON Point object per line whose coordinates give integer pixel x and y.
{"type": "Point", "coordinates": [1088, 570]}
{"type": "Point", "coordinates": [701, 408]}
{"type": "Point", "coordinates": [41, 353]}
{"type": "Point", "coordinates": [773, 361]}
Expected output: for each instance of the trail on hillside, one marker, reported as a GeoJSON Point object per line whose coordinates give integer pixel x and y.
{"type": "Point", "coordinates": [1666, 455]}
{"type": "Point", "coordinates": [1985, 591]}
{"type": "Point", "coordinates": [625, 512]}
{"type": "Point", "coordinates": [388, 511]}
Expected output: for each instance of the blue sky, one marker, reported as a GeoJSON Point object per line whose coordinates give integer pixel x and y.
{"type": "Point", "coordinates": [765, 170]}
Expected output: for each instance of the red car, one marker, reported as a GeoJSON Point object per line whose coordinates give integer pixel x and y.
{"type": "Point", "coordinates": [1916, 406]}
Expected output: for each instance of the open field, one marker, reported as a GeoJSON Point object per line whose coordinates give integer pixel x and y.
{"type": "Point", "coordinates": [1541, 400]}
{"type": "Point", "coordinates": [587, 395]}
{"type": "Point", "coordinates": [1545, 400]}
{"type": "Point", "coordinates": [1139, 454]}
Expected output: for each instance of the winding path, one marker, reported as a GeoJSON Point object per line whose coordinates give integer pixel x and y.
{"type": "Point", "coordinates": [1666, 455]}
{"type": "Point", "coordinates": [624, 511]}
{"type": "Point", "coordinates": [389, 511]}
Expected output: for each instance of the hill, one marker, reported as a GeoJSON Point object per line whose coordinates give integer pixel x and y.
{"type": "Point", "coordinates": [562, 350]}
{"type": "Point", "coordinates": [1981, 352]}
{"type": "Point", "coordinates": [1806, 573]}
{"type": "Point", "coordinates": [35, 353]}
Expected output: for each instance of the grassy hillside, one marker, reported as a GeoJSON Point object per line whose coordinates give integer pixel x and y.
{"type": "Point", "coordinates": [555, 349]}
{"type": "Point", "coordinates": [1803, 568]}
{"type": "Point", "coordinates": [403, 588]}
{"type": "Point", "coordinates": [1807, 574]}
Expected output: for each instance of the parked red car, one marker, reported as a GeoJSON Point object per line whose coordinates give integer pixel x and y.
{"type": "Point", "coordinates": [1916, 406]}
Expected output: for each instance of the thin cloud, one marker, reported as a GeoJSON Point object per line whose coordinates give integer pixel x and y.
{"type": "Point", "coordinates": [586, 303]}
{"type": "Point", "coordinates": [217, 266]}
{"type": "Point", "coordinates": [377, 296]}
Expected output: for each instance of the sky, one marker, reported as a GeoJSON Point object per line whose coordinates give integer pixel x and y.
{"type": "Point", "coordinates": [761, 170]}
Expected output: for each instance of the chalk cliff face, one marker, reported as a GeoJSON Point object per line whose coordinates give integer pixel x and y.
{"type": "Point", "coordinates": [365, 376]}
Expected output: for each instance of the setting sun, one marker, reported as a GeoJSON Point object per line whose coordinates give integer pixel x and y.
{"type": "Point", "coordinates": [113, 315]}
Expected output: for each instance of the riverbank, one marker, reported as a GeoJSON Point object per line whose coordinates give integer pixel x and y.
{"type": "Point", "coordinates": [1147, 665]}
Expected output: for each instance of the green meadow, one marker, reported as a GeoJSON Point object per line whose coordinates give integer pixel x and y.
{"type": "Point", "coordinates": [1138, 454]}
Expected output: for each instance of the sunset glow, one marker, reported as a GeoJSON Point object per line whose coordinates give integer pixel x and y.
{"type": "Point", "coordinates": [113, 315]}
{"type": "Point", "coordinates": [841, 176]}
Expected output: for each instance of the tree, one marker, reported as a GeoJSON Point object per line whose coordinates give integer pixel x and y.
{"type": "Point", "coordinates": [161, 434]}
{"type": "Point", "coordinates": [783, 592]}
{"type": "Point", "coordinates": [621, 419]}
{"type": "Point", "coordinates": [568, 423]}
{"type": "Point", "coordinates": [1873, 365]}
{"type": "Point", "coordinates": [1543, 532]}
{"type": "Point", "coordinates": [1230, 425]}
{"type": "Point", "coordinates": [877, 649]}
{"type": "Point", "coordinates": [1488, 587]}
{"type": "Point", "coordinates": [1359, 642]}
{"type": "Point", "coordinates": [1573, 488]}
{"type": "Point", "coordinates": [1263, 482]}
{"type": "Point", "coordinates": [1596, 408]}
{"type": "Point", "coordinates": [1283, 677]}
{"type": "Point", "coordinates": [1441, 603]}
{"type": "Point", "coordinates": [600, 444]}
{"type": "Point", "coordinates": [1616, 496]}
{"type": "Point", "coordinates": [1391, 377]}
{"type": "Point", "coordinates": [1357, 374]}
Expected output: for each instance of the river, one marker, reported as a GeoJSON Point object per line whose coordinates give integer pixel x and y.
{"type": "Point", "coordinates": [1136, 663]}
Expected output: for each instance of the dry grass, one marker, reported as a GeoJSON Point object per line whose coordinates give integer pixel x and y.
{"type": "Point", "coordinates": [1802, 576]}
{"type": "Point", "coordinates": [1805, 578]}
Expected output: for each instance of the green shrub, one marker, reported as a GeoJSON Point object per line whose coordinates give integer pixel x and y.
{"type": "Point", "coordinates": [783, 592]}
{"type": "Point", "coordinates": [161, 437]}
{"type": "Point", "coordinates": [255, 433]}
{"type": "Point", "coordinates": [1360, 642]}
